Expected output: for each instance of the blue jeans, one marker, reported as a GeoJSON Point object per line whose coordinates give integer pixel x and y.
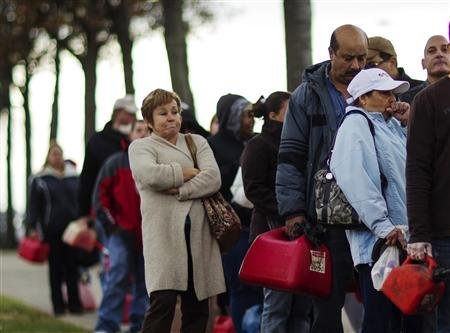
{"type": "Point", "coordinates": [241, 296]}
{"type": "Point", "coordinates": [441, 252]}
{"type": "Point", "coordinates": [124, 260]}
{"type": "Point", "coordinates": [285, 312]}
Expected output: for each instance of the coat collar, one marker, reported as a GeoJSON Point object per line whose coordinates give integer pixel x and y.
{"type": "Point", "coordinates": [180, 144]}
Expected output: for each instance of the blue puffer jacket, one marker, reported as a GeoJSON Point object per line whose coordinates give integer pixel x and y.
{"type": "Point", "coordinates": [307, 133]}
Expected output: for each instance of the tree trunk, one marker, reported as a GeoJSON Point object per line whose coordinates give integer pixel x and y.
{"type": "Point", "coordinates": [297, 23]}
{"type": "Point", "coordinates": [26, 109]}
{"type": "Point", "coordinates": [175, 31]}
{"type": "Point", "coordinates": [89, 63]}
{"type": "Point", "coordinates": [121, 22]}
{"type": "Point", "coordinates": [55, 106]}
{"type": "Point", "coordinates": [10, 240]}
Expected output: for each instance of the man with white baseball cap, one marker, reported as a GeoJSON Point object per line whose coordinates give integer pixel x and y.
{"type": "Point", "coordinates": [370, 148]}
{"type": "Point", "coordinates": [113, 138]}
{"type": "Point", "coordinates": [124, 114]}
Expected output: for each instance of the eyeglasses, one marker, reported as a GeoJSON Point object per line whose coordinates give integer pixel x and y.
{"type": "Point", "coordinates": [374, 64]}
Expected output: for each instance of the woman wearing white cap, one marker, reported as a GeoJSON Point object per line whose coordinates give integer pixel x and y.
{"type": "Point", "coordinates": [368, 162]}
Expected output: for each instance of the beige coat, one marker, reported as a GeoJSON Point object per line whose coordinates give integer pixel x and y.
{"type": "Point", "coordinates": [156, 166]}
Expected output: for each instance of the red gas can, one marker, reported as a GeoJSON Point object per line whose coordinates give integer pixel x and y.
{"type": "Point", "coordinates": [295, 266]}
{"type": "Point", "coordinates": [223, 324]}
{"type": "Point", "coordinates": [411, 287]}
{"type": "Point", "coordinates": [31, 249]}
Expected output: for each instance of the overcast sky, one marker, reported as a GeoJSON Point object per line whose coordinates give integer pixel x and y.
{"type": "Point", "coordinates": [241, 52]}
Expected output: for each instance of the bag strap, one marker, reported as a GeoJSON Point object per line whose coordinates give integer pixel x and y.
{"type": "Point", "coordinates": [369, 122]}
{"type": "Point", "coordinates": [192, 148]}
{"type": "Point", "coordinates": [372, 131]}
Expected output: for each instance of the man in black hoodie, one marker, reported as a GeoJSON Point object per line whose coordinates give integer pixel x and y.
{"type": "Point", "coordinates": [236, 122]}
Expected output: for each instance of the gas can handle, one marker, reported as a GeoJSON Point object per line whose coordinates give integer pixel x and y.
{"type": "Point", "coordinates": [431, 262]}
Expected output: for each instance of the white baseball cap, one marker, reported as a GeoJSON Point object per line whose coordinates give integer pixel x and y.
{"type": "Point", "coordinates": [374, 79]}
{"type": "Point", "coordinates": [127, 104]}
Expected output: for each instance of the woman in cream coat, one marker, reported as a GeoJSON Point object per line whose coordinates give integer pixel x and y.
{"type": "Point", "coordinates": [181, 256]}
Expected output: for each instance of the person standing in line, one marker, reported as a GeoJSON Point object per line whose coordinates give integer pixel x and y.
{"type": "Point", "coordinates": [370, 170]}
{"type": "Point", "coordinates": [236, 121]}
{"type": "Point", "coordinates": [52, 205]}
{"type": "Point", "coordinates": [181, 255]}
{"type": "Point", "coordinates": [214, 125]}
{"type": "Point", "coordinates": [428, 182]}
{"type": "Point", "coordinates": [116, 205]}
{"type": "Point", "coordinates": [382, 55]}
{"type": "Point", "coordinates": [436, 61]}
{"type": "Point", "coordinates": [282, 312]}
{"type": "Point", "coordinates": [189, 122]}
{"type": "Point", "coordinates": [314, 111]}
{"type": "Point", "coordinates": [113, 138]}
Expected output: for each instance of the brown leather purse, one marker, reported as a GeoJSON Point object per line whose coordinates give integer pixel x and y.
{"type": "Point", "coordinates": [223, 221]}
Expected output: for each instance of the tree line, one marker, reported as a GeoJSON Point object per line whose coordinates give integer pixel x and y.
{"type": "Point", "coordinates": [34, 33]}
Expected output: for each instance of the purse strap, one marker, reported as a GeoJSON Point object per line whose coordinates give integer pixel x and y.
{"type": "Point", "coordinates": [372, 131]}
{"type": "Point", "coordinates": [192, 148]}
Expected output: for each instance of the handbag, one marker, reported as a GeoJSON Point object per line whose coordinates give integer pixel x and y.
{"type": "Point", "coordinates": [223, 221]}
{"type": "Point", "coordinates": [332, 207]}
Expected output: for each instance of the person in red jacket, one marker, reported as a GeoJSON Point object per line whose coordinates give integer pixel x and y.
{"type": "Point", "coordinates": [116, 205]}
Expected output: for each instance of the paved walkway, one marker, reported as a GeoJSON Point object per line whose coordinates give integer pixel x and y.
{"type": "Point", "coordinates": [28, 283]}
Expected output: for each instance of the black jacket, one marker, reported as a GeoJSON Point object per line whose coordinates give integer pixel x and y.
{"type": "Point", "coordinates": [227, 147]}
{"type": "Point", "coordinates": [428, 163]}
{"type": "Point", "coordinates": [402, 76]}
{"type": "Point", "coordinates": [412, 92]}
{"type": "Point", "coordinates": [52, 202]}
{"type": "Point", "coordinates": [259, 169]}
{"type": "Point", "coordinates": [100, 146]}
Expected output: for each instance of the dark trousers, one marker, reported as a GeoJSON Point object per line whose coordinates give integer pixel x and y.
{"type": "Point", "coordinates": [241, 296]}
{"type": "Point", "coordinates": [380, 314]}
{"type": "Point", "coordinates": [327, 313]}
{"type": "Point", "coordinates": [159, 316]}
{"type": "Point", "coordinates": [62, 263]}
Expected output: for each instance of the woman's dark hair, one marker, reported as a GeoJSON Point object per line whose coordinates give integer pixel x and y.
{"type": "Point", "coordinates": [273, 103]}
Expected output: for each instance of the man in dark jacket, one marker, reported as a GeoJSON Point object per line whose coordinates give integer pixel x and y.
{"type": "Point", "coordinates": [314, 112]}
{"type": "Point", "coordinates": [428, 182]}
{"type": "Point", "coordinates": [382, 55]}
{"type": "Point", "coordinates": [436, 60]}
{"type": "Point", "coordinates": [113, 138]}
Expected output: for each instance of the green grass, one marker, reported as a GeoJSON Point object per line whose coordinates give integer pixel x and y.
{"type": "Point", "coordinates": [16, 317]}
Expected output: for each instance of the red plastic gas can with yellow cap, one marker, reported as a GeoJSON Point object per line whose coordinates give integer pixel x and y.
{"type": "Point", "coordinates": [297, 266]}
